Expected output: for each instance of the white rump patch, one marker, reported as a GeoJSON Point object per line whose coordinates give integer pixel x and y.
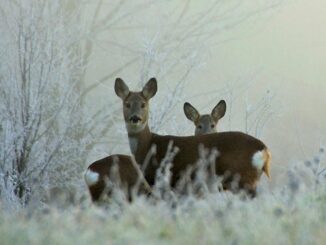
{"type": "Point", "coordinates": [258, 160]}
{"type": "Point", "coordinates": [91, 178]}
{"type": "Point", "coordinates": [133, 143]}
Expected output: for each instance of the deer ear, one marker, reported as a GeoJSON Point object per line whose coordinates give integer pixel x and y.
{"type": "Point", "coordinates": [191, 113]}
{"type": "Point", "coordinates": [219, 111]}
{"type": "Point", "coordinates": [121, 89]}
{"type": "Point", "coordinates": [150, 88]}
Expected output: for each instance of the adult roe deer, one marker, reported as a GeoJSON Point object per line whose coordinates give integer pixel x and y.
{"type": "Point", "coordinates": [207, 123]}
{"type": "Point", "coordinates": [99, 172]}
{"type": "Point", "coordinates": [239, 154]}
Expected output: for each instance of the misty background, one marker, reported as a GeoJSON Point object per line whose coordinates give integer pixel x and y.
{"type": "Point", "coordinates": [277, 50]}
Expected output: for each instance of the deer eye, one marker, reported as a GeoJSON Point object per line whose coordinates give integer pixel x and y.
{"type": "Point", "coordinates": [212, 125]}
{"type": "Point", "coordinates": [127, 104]}
{"type": "Point", "coordinates": [143, 105]}
{"type": "Point", "coordinates": [199, 126]}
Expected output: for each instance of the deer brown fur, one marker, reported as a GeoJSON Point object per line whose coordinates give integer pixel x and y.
{"type": "Point", "coordinates": [126, 177]}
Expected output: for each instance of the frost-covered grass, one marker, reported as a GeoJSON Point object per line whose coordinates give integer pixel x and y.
{"type": "Point", "coordinates": [294, 212]}
{"type": "Point", "coordinates": [217, 219]}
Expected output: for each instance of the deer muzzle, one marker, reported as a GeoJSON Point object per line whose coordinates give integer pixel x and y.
{"type": "Point", "coordinates": [134, 119]}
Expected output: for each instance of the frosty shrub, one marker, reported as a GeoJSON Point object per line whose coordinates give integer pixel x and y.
{"type": "Point", "coordinates": [44, 133]}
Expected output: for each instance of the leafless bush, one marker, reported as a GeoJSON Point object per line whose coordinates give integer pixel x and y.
{"type": "Point", "coordinates": [44, 132]}
{"type": "Point", "coordinates": [258, 114]}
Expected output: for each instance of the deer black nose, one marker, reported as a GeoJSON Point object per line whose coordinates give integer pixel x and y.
{"type": "Point", "coordinates": [135, 119]}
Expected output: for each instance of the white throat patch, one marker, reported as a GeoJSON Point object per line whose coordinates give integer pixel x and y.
{"type": "Point", "coordinates": [133, 143]}
{"type": "Point", "coordinates": [135, 128]}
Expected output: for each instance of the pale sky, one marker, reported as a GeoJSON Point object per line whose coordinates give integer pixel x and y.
{"type": "Point", "coordinates": [289, 54]}
{"type": "Point", "coordinates": [284, 52]}
{"type": "Point", "coordinates": [290, 50]}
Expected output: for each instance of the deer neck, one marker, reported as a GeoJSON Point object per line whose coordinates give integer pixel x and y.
{"type": "Point", "coordinates": [140, 143]}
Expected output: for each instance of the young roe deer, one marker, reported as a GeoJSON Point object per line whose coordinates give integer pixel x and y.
{"type": "Point", "coordinates": [207, 123]}
{"type": "Point", "coordinates": [100, 174]}
{"type": "Point", "coordinates": [239, 154]}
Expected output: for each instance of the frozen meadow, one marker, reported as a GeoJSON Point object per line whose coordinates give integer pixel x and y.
{"type": "Point", "coordinates": [58, 114]}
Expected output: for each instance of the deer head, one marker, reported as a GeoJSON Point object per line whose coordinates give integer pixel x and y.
{"type": "Point", "coordinates": [207, 123]}
{"type": "Point", "coordinates": [135, 104]}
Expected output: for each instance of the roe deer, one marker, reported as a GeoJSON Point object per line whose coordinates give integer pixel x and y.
{"type": "Point", "coordinates": [207, 123]}
{"type": "Point", "coordinates": [239, 154]}
{"type": "Point", "coordinates": [101, 172]}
